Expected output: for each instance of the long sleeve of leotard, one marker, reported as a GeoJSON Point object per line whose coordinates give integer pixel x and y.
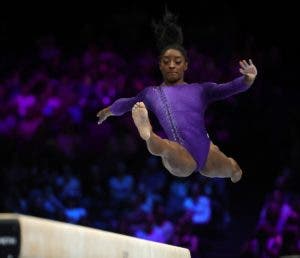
{"type": "Point", "coordinates": [123, 105]}
{"type": "Point", "coordinates": [214, 91]}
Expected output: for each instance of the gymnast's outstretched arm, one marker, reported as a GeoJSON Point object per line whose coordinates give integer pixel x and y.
{"type": "Point", "coordinates": [221, 91]}
{"type": "Point", "coordinates": [121, 106]}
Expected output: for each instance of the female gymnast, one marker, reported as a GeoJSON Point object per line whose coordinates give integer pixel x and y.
{"type": "Point", "coordinates": [180, 107]}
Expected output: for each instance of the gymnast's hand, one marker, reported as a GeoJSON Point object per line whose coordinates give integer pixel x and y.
{"type": "Point", "coordinates": [249, 71]}
{"type": "Point", "coordinates": [103, 114]}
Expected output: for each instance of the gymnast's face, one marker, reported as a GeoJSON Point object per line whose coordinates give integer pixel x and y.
{"type": "Point", "coordinates": [172, 65]}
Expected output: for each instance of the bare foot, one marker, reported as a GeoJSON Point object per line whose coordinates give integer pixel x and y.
{"type": "Point", "coordinates": [237, 174]}
{"type": "Point", "coordinates": [141, 120]}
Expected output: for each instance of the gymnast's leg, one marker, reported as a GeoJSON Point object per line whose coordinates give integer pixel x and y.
{"type": "Point", "coordinates": [176, 159]}
{"type": "Point", "coordinates": [219, 165]}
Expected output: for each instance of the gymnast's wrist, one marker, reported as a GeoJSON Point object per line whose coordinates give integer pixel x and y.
{"type": "Point", "coordinates": [248, 80]}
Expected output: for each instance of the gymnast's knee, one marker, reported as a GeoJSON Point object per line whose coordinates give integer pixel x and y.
{"type": "Point", "coordinates": [178, 171]}
{"type": "Point", "coordinates": [181, 172]}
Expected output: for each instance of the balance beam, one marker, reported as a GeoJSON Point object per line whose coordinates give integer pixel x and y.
{"type": "Point", "coordinates": [28, 236]}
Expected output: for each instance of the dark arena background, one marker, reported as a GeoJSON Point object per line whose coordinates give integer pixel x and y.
{"type": "Point", "coordinates": [60, 66]}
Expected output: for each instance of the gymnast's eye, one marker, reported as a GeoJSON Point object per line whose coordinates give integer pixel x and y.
{"type": "Point", "coordinates": [166, 60]}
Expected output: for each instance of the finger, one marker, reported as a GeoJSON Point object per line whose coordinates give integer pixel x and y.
{"type": "Point", "coordinates": [245, 63]}
{"type": "Point", "coordinates": [242, 71]}
{"type": "Point", "coordinates": [250, 61]}
{"type": "Point", "coordinates": [242, 65]}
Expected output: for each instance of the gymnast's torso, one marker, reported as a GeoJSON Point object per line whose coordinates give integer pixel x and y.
{"type": "Point", "coordinates": [180, 111]}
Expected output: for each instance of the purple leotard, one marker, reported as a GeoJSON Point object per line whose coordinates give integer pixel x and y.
{"type": "Point", "coordinates": [180, 111]}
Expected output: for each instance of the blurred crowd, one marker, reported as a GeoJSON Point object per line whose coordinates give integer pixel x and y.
{"type": "Point", "coordinates": [277, 232]}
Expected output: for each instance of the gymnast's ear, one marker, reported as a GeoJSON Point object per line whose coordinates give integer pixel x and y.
{"type": "Point", "coordinates": [186, 65]}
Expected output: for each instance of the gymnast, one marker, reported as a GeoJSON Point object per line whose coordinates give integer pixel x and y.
{"type": "Point", "coordinates": [180, 107]}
